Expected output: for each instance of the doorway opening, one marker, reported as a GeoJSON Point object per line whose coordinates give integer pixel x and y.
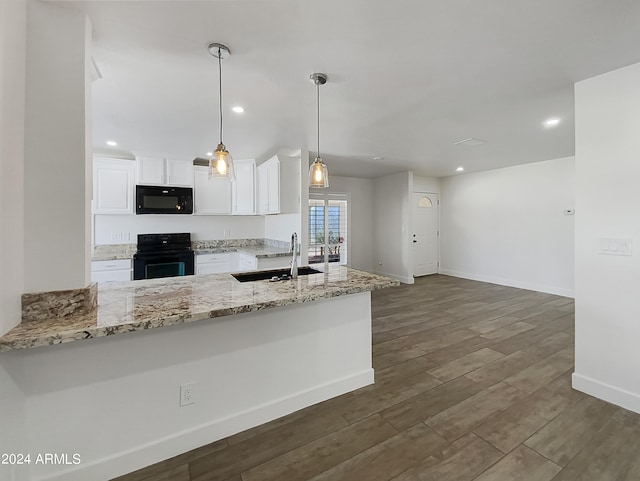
{"type": "Point", "coordinates": [328, 224]}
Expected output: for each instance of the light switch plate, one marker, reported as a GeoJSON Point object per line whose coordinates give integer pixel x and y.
{"type": "Point", "coordinates": [616, 247]}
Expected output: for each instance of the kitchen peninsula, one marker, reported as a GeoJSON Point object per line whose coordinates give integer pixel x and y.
{"type": "Point", "coordinates": [251, 351]}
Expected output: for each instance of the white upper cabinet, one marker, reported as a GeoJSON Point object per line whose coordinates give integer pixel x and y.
{"type": "Point", "coordinates": [179, 172]}
{"type": "Point", "coordinates": [243, 188]}
{"type": "Point", "coordinates": [269, 186]}
{"type": "Point", "coordinates": [210, 197]}
{"type": "Point", "coordinates": [150, 171]}
{"type": "Point", "coordinates": [279, 184]}
{"type": "Point", "coordinates": [157, 171]}
{"type": "Point", "coordinates": [113, 184]}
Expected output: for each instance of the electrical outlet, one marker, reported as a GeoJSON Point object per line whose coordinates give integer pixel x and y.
{"type": "Point", "coordinates": [188, 394]}
{"type": "Point", "coordinates": [120, 236]}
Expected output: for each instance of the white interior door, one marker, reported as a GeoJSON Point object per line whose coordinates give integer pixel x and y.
{"type": "Point", "coordinates": [425, 234]}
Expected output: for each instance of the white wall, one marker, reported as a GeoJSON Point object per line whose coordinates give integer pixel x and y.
{"type": "Point", "coordinates": [281, 226]}
{"type": "Point", "coordinates": [12, 97]}
{"type": "Point", "coordinates": [201, 227]}
{"type": "Point", "coordinates": [55, 173]}
{"type": "Point", "coordinates": [607, 203]}
{"type": "Point", "coordinates": [507, 226]}
{"type": "Point", "coordinates": [360, 255]}
{"type": "Point", "coordinates": [391, 223]}
{"type": "Point", "coordinates": [426, 184]}
{"type": "Point", "coordinates": [13, 419]}
{"type": "Point", "coordinates": [114, 400]}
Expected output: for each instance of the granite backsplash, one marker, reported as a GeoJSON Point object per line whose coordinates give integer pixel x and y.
{"type": "Point", "coordinates": [123, 251]}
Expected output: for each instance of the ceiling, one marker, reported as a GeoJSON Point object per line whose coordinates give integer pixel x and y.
{"type": "Point", "coordinates": [407, 78]}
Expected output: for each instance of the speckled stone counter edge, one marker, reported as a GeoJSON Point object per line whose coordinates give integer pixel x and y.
{"type": "Point", "coordinates": [152, 313]}
{"type": "Point", "coordinates": [42, 306]}
{"type": "Point", "coordinates": [126, 251]}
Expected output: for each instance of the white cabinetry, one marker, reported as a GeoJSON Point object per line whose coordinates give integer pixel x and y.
{"type": "Point", "coordinates": [243, 188]}
{"type": "Point", "coordinates": [150, 171]}
{"type": "Point", "coordinates": [113, 182]}
{"type": "Point", "coordinates": [179, 172]}
{"type": "Point", "coordinates": [111, 271]}
{"type": "Point", "coordinates": [274, 262]}
{"type": "Point", "coordinates": [157, 171]}
{"type": "Point", "coordinates": [211, 197]}
{"type": "Point", "coordinates": [279, 185]}
{"type": "Point", "coordinates": [247, 262]}
{"type": "Point", "coordinates": [215, 263]}
{"type": "Point", "coordinates": [269, 186]}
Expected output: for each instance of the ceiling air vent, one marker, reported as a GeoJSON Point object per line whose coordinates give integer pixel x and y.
{"type": "Point", "coordinates": [470, 142]}
{"type": "Point", "coordinates": [201, 162]}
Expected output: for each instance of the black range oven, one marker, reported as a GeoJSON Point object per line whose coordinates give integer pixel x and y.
{"type": "Point", "coordinates": [163, 255]}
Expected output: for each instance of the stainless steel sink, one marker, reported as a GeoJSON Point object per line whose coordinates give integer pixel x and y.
{"type": "Point", "coordinates": [274, 274]}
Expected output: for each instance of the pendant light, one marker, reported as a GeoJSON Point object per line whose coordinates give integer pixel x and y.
{"type": "Point", "coordinates": [221, 163]}
{"type": "Point", "coordinates": [318, 174]}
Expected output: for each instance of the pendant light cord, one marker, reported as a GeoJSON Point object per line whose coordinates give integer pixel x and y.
{"type": "Point", "coordinates": [220, 85]}
{"type": "Point", "coordinates": [318, 104]}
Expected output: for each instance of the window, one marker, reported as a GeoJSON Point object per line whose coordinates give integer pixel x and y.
{"type": "Point", "coordinates": [328, 238]}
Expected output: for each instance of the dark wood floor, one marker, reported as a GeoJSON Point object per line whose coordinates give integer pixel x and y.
{"type": "Point", "coordinates": [472, 383]}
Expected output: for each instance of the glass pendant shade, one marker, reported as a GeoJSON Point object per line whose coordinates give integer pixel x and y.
{"type": "Point", "coordinates": [318, 174]}
{"type": "Point", "coordinates": [221, 164]}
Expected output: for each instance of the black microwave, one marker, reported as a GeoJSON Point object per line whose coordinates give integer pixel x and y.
{"type": "Point", "coordinates": [152, 199]}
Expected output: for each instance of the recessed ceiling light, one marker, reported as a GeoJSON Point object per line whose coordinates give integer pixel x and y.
{"type": "Point", "coordinates": [209, 154]}
{"type": "Point", "coordinates": [237, 109]}
{"type": "Point", "coordinates": [377, 157]}
{"type": "Point", "coordinates": [460, 169]}
{"type": "Point", "coordinates": [470, 142]}
{"type": "Point", "coordinates": [112, 143]}
{"type": "Point", "coordinates": [551, 122]}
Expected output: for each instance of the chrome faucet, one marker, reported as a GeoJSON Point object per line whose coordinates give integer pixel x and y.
{"type": "Point", "coordinates": [294, 261]}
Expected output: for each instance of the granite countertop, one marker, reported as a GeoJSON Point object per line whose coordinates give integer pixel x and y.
{"type": "Point", "coordinates": [148, 304]}
{"type": "Point", "coordinates": [265, 251]}
{"type": "Point", "coordinates": [258, 251]}
{"type": "Point", "coordinates": [221, 250]}
{"type": "Point", "coordinates": [112, 257]}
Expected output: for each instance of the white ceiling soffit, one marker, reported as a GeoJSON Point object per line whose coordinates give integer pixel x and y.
{"type": "Point", "coordinates": [407, 78]}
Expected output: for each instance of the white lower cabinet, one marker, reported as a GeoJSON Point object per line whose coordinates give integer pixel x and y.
{"type": "Point", "coordinates": [274, 262]}
{"type": "Point", "coordinates": [111, 271]}
{"type": "Point", "coordinates": [247, 262]}
{"type": "Point", "coordinates": [237, 262]}
{"type": "Point", "coordinates": [215, 263]}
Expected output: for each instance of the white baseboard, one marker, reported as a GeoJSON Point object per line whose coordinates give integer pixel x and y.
{"type": "Point", "coordinates": [161, 449]}
{"type": "Point", "coordinates": [558, 291]}
{"type": "Point", "coordinates": [606, 392]}
{"type": "Point", "coordinates": [403, 279]}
